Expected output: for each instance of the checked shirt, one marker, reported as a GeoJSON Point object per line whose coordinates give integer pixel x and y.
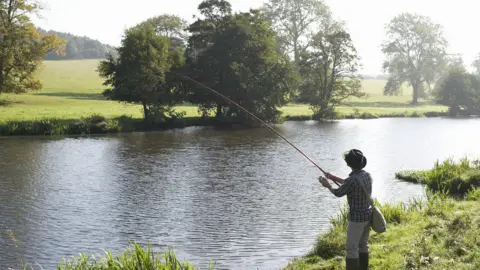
{"type": "Point", "coordinates": [358, 202]}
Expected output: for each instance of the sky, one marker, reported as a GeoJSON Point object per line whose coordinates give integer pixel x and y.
{"type": "Point", "coordinates": [106, 20]}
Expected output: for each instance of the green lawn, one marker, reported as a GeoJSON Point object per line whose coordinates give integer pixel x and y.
{"type": "Point", "coordinates": [73, 89]}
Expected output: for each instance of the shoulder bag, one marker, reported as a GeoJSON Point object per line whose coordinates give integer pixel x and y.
{"type": "Point", "coordinates": [378, 222]}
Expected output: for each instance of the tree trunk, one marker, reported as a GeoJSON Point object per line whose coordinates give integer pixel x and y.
{"type": "Point", "coordinates": [416, 93]}
{"type": "Point", "coordinates": [146, 113]}
{"type": "Point", "coordinates": [219, 111]}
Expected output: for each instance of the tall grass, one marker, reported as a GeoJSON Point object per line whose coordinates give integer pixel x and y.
{"type": "Point", "coordinates": [449, 176]}
{"type": "Point", "coordinates": [438, 232]}
{"type": "Point", "coordinates": [134, 257]}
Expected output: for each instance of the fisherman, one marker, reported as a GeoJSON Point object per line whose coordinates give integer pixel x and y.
{"type": "Point", "coordinates": [360, 211]}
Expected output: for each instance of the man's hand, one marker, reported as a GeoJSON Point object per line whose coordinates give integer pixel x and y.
{"type": "Point", "coordinates": [329, 176]}
{"type": "Point", "coordinates": [324, 182]}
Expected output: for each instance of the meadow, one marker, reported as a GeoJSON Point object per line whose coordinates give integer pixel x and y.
{"type": "Point", "coordinates": [72, 89]}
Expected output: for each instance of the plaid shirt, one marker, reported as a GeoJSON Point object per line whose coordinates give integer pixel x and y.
{"type": "Point", "coordinates": [358, 201]}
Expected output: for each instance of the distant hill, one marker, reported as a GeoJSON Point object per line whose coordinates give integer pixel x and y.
{"type": "Point", "coordinates": [79, 47]}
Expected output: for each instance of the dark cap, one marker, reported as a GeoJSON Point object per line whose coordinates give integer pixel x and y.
{"type": "Point", "coordinates": [355, 159]}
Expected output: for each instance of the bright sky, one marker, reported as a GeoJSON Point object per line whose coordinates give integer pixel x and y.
{"type": "Point", "coordinates": [106, 20]}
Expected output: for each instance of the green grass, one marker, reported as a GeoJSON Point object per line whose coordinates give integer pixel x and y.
{"type": "Point", "coordinates": [438, 233]}
{"type": "Point", "coordinates": [72, 89]}
{"type": "Point", "coordinates": [134, 257]}
{"type": "Point", "coordinates": [448, 176]}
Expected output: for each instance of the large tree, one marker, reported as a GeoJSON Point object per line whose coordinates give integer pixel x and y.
{"type": "Point", "coordinates": [22, 47]}
{"type": "Point", "coordinates": [296, 21]}
{"type": "Point", "coordinates": [140, 74]}
{"type": "Point", "coordinates": [241, 62]}
{"type": "Point", "coordinates": [330, 72]}
{"type": "Point", "coordinates": [415, 52]}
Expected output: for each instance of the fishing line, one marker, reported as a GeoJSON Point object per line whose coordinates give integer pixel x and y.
{"type": "Point", "coordinates": [260, 120]}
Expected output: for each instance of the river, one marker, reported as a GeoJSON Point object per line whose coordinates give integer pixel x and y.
{"type": "Point", "coordinates": [242, 198]}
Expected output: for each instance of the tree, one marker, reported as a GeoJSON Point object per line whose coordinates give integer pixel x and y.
{"type": "Point", "coordinates": [241, 62]}
{"type": "Point", "coordinates": [215, 16]}
{"type": "Point", "coordinates": [296, 21]}
{"type": "Point", "coordinates": [22, 47]}
{"type": "Point", "coordinates": [452, 63]}
{"type": "Point", "coordinates": [459, 91]}
{"type": "Point", "coordinates": [476, 64]}
{"type": "Point", "coordinates": [330, 72]}
{"type": "Point", "coordinates": [171, 26]}
{"type": "Point", "coordinates": [415, 50]}
{"type": "Point", "coordinates": [140, 74]}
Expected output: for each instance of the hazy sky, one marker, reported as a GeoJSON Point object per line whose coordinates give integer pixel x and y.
{"type": "Point", "coordinates": [106, 20]}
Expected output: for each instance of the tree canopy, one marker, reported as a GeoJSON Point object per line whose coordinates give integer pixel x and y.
{"type": "Point", "coordinates": [296, 22]}
{"type": "Point", "coordinates": [170, 26]}
{"type": "Point", "coordinates": [330, 72]}
{"type": "Point", "coordinates": [460, 91]}
{"type": "Point", "coordinates": [415, 52]}
{"type": "Point", "coordinates": [22, 47]}
{"type": "Point", "coordinates": [139, 74]}
{"type": "Point", "coordinates": [236, 55]}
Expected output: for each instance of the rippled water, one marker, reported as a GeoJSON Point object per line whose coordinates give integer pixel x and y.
{"type": "Point", "coordinates": [243, 198]}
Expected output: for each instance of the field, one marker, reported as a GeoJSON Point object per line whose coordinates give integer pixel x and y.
{"type": "Point", "coordinates": [72, 89]}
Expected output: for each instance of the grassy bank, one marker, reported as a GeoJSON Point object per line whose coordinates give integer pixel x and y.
{"type": "Point", "coordinates": [447, 176]}
{"type": "Point", "coordinates": [72, 89]}
{"type": "Point", "coordinates": [438, 233]}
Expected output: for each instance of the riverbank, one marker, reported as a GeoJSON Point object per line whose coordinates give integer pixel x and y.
{"type": "Point", "coordinates": [98, 124]}
{"type": "Point", "coordinates": [448, 176]}
{"type": "Point", "coordinates": [438, 233]}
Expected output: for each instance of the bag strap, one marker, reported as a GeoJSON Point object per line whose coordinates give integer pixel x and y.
{"type": "Point", "coordinates": [366, 193]}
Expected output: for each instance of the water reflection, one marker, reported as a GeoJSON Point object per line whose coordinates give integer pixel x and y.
{"type": "Point", "coordinates": [243, 198]}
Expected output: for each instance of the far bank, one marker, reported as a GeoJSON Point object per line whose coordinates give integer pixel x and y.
{"type": "Point", "coordinates": [98, 124]}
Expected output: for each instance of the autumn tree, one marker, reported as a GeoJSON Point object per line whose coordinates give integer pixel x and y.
{"type": "Point", "coordinates": [240, 61]}
{"type": "Point", "coordinates": [415, 52]}
{"type": "Point", "coordinates": [296, 22]}
{"type": "Point", "coordinates": [140, 74]}
{"type": "Point", "coordinates": [330, 72]}
{"type": "Point", "coordinates": [22, 47]}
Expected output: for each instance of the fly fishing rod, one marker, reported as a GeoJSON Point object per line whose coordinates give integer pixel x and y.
{"type": "Point", "coordinates": [260, 120]}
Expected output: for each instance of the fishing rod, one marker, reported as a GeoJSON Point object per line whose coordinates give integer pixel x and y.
{"type": "Point", "coordinates": [260, 120]}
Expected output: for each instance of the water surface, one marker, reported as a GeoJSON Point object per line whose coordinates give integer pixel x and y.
{"type": "Point", "coordinates": [243, 198]}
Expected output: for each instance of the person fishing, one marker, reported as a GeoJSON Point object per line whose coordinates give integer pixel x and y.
{"type": "Point", "coordinates": [360, 211]}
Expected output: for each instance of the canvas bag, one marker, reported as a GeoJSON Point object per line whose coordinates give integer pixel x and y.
{"type": "Point", "coordinates": [378, 223]}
